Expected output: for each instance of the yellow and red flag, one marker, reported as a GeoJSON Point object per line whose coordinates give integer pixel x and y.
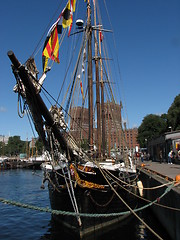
{"type": "Point", "coordinates": [51, 45]}
{"type": "Point", "coordinates": [67, 14]}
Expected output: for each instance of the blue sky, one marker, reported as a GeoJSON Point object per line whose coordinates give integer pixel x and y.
{"type": "Point", "coordinates": [147, 34]}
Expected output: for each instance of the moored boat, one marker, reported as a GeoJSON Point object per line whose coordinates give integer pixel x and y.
{"type": "Point", "coordinates": [89, 187]}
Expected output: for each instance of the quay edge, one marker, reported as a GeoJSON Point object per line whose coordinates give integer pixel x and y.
{"type": "Point", "coordinates": [170, 219]}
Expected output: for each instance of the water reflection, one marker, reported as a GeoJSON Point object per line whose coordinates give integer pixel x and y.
{"type": "Point", "coordinates": [130, 229]}
{"type": "Point", "coordinates": [57, 231]}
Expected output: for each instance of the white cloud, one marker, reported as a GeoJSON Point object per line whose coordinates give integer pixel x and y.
{"type": "Point", "coordinates": [3, 109]}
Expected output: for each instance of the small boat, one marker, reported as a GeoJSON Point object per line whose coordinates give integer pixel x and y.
{"type": "Point", "coordinates": [91, 174]}
{"type": "Point", "coordinates": [35, 162]}
{"type": "Point", "coordinates": [4, 163]}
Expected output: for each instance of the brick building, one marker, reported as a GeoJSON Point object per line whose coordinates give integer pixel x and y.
{"type": "Point", "coordinates": [79, 123]}
{"type": "Point", "coordinates": [131, 138]}
{"type": "Point", "coordinates": [116, 136]}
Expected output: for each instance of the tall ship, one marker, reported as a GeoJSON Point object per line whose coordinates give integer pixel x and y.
{"type": "Point", "coordinates": [91, 174]}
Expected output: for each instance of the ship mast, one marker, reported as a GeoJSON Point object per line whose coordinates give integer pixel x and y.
{"type": "Point", "coordinates": [97, 88]}
{"type": "Point", "coordinates": [90, 81]}
{"type": "Point", "coordinates": [102, 100]}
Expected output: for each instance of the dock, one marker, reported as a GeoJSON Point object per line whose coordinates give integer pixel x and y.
{"type": "Point", "coordinates": [159, 185]}
{"type": "Point", "coordinates": [168, 171]}
{"type": "Point", "coordinates": [16, 162]}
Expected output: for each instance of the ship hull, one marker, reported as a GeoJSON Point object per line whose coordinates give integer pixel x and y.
{"type": "Point", "coordinates": [92, 202]}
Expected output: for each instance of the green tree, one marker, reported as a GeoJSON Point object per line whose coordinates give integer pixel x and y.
{"type": "Point", "coordinates": [152, 126]}
{"type": "Point", "coordinates": [2, 148]}
{"type": "Point", "coordinates": [173, 114]}
{"type": "Point", "coordinates": [39, 146]}
{"type": "Point", "coordinates": [14, 146]}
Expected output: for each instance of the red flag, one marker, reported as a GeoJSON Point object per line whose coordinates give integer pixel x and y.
{"type": "Point", "coordinates": [101, 36]}
{"type": "Point", "coordinates": [82, 92]}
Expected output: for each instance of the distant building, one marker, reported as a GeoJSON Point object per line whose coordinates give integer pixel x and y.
{"type": "Point", "coordinates": [4, 139]}
{"type": "Point", "coordinates": [164, 143]}
{"type": "Point", "coordinates": [116, 136]}
{"type": "Point", "coordinates": [131, 138]}
{"type": "Point", "coordinates": [79, 123]}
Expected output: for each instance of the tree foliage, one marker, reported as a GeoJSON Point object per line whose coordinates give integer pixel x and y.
{"type": "Point", "coordinates": [152, 126]}
{"type": "Point", "coordinates": [174, 114]}
{"type": "Point", "coordinates": [14, 146]}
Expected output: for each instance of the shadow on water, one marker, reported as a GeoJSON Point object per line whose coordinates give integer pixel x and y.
{"type": "Point", "coordinates": [130, 229]}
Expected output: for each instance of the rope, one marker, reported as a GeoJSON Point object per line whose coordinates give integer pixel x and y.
{"type": "Point", "coordinates": [20, 110]}
{"type": "Point", "coordinates": [72, 195]}
{"type": "Point", "coordinates": [118, 63]}
{"type": "Point", "coordinates": [101, 205]}
{"type": "Point", "coordinates": [144, 188]}
{"type": "Point", "coordinates": [90, 215]}
{"type": "Point", "coordinates": [173, 184]}
{"type": "Point", "coordinates": [130, 209]}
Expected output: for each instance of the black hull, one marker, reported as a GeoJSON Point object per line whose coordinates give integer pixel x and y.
{"type": "Point", "coordinates": [92, 231]}
{"type": "Point", "coordinates": [93, 202]}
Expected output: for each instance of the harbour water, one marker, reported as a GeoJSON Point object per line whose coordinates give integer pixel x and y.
{"type": "Point", "coordinates": [22, 223]}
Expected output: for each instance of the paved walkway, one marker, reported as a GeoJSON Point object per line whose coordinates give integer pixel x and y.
{"type": "Point", "coordinates": [169, 170]}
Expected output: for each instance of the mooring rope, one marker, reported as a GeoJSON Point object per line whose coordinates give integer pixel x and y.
{"type": "Point", "coordinates": [173, 183]}
{"type": "Point", "coordinates": [130, 209]}
{"type": "Point", "coordinates": [144, 188]}
{"type": "Point", "coordinates": [90, 215]}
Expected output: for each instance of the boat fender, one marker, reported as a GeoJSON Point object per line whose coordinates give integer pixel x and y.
{"type": "Point", "coordinates": [177, 178]}
{"type": "Point", "coordinates": [140, 187]}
